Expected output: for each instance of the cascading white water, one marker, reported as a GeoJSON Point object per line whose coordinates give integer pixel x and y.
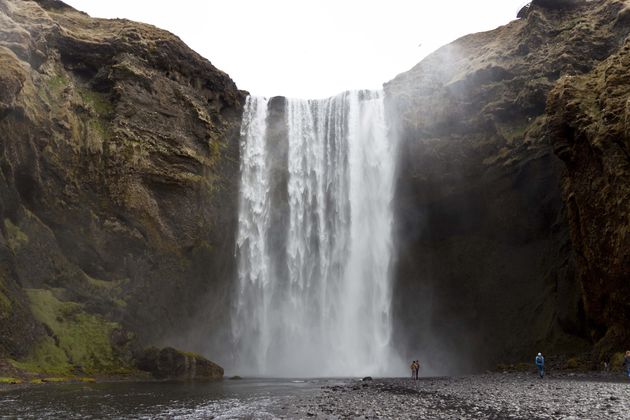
{"type": "Point", "coordinates": [319, 305]}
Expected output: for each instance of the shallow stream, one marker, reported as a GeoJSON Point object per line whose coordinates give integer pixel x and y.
{"type": "Point", "coordinates": [246, 398]}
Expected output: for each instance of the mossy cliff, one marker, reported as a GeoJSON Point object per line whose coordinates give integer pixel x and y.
{"type": "Point", "coordinates": [512, 197]}
{"type": "Point", "coordinates": [118, 189]}
{"type": "Point", "coordinates": [588, 123]}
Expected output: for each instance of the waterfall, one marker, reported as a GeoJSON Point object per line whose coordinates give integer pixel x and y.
{"type": "Point", "coordinates": [314, 239]}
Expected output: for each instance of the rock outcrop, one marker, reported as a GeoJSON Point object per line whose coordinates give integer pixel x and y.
{"type": "Point", "coordinates": [503, 249]}
{"type": "Point", "coordinates": [169, 363]}
{"type": "Point", "coordinates": [118, 187]}
{"type": "Point", "coordinates": [589, 128]}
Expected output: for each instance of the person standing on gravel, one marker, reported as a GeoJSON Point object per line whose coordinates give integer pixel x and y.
{"type": "Point", "coordinates": [540, 364]}
{"type": "Point", "coordinates": [626, 362]}
{"type": "Point", "coordinates": [415, 367]}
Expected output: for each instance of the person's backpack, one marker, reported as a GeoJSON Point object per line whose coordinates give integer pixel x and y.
{"type": "Point", "coordinates": [539, 360]}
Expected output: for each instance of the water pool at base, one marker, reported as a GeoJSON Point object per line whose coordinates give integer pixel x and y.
{"type": "Point", "coordinates": [246, 398]}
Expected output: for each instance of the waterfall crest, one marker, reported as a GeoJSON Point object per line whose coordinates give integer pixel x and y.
{"type": "Point", "coordinates": [314, 238]}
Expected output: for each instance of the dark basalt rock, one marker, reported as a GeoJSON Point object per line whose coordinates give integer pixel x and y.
{"type": "Point", "coordinates": [169, 363]}
{"type": "Point", "coordinates": [522, 14]}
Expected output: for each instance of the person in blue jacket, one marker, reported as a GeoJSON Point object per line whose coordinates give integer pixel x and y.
{"type": "Point", "coordinates": [540, 364]}
{"type": "Point", "coordinates": [626, 363]}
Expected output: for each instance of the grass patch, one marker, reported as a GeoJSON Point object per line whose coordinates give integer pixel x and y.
{"type": "Point", "coordinates": [80, 341]}
{"type": "Point", "coordinates": [16, 238]}
{"type": "Point", "coordinates": [45, 358]}
{"type": "Point", "coordinates": [98, 101]}
{"type": "Point", "coordinates": [97, 126]}
{"type": "Point", "coordinates": [191, 354]}
{"type": "Point", "coordinates": [4, 380]}
{"type": "Point", "coordinates": [109, 290]}
{"type": "Point", "coordinates": [57, 84]}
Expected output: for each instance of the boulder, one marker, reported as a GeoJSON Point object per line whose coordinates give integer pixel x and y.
{"type": "Point", "coordinates": [170, 363]}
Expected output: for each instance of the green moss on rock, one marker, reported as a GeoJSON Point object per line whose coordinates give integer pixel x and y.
{"type": "Point", "coordinates": [169, 363]}
{"type": "Point", "coordinates": [56, 84]}
{"type": "Point", "coordinates": [98, 101]}
{"type": "Point", "coordinates": [47, 357]}
{"type": "Point", "coordinates": [79, 341]}
{"type": "Point", "coordinates": [16, 238]}
{"type": "Point", "coordinates": [6, 380]}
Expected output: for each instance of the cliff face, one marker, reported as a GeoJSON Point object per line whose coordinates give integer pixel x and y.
{"type": "Point", "coordinates": [589, 127]}
{"type": "Point", "coordinates": [118, 187]}
{"type": "Point", "coordinates": [498, 240]}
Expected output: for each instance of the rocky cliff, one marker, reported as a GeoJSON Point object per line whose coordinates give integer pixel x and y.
{"type": "Point", "coordinates": [588, 124]}
{"type": "Point", "coordinates": [118, 189]}
{"type": "Point", "coordinates": [512, 199]}
{"type": "Point", "coordinates": [118, 192]}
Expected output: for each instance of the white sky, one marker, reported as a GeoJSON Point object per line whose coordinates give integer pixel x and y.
{"type": "Point", "coordinates": [312, 48]}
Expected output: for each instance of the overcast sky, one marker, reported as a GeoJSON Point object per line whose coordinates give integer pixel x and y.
{"type": "Point", "coordinates": [312, 48]}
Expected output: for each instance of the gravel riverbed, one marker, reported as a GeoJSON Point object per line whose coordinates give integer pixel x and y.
{"type": "Point", "coordinates": [493, 396]}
